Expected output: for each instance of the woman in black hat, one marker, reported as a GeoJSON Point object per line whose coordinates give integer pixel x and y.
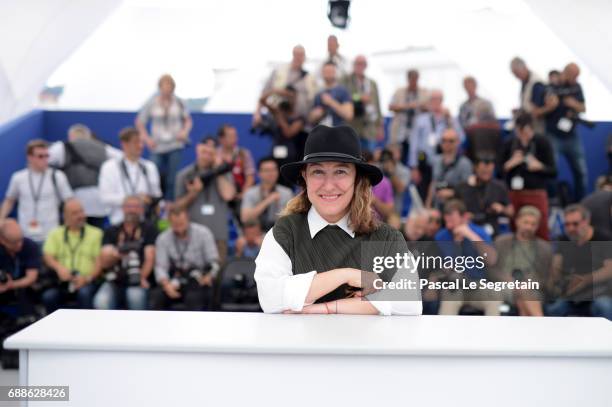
{"type": "Point", "coordinates": [311, 260]}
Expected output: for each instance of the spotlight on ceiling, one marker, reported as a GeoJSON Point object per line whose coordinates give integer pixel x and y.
{"type": "Point", "coordinates": [338, 12]}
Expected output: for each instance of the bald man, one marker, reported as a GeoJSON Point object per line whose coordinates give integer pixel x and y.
{"type": "Point", "coordinates": [71, 251]}
{"type": "Point", "coordinates": [561, 120]}
{"type": "Point", "coordinates": [19, 265]}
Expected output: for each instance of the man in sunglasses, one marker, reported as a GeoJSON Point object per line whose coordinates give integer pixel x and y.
{"type": "Point", "coordinates": [40, 191]}
{"type": "Point", "coordinates": [582, 268]}
{"type": "Point", "coordinates": [449, 169]}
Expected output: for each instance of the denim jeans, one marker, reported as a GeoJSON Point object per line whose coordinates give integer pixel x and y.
{"type": "Point", "coordinates": [112, 296]}
{"type": "Point", "coordinates": [573, 151]}
{"type": "Point", "coordinates": [52, 297]}
{"type": "Point", "coordinates": [599, 307]}
{"type": "Point", "coordinates": [168, 165]}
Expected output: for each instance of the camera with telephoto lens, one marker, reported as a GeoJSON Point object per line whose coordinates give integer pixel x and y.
{"type": "Point", "coordinates": [208, 175]}
{"type": "Point", "coordinates": [3, 277]}
{"type": "Point", "coordinates": [130, 267]}
{"type": "Point", "coordinates": [129, 246]}
{"type": "Point", "coordinates": [189, 275]}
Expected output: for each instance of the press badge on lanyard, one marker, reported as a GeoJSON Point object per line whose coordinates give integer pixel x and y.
{"type": "Point", "coordinates": [34, 227]}
{"type": "Point", "coordinates": [280, 152]}
{"type": "Point", "coordinates": [564, 124]}
{"type": "Point", "coordinates": [517, 183]}
{"type": "Point", "coordinates": [432, 139]}
{"type": "Point", "coordinates": [207, 210]}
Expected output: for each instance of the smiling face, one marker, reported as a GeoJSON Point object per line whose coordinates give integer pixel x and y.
{"type": "Point", "coordinates": [330, 187]}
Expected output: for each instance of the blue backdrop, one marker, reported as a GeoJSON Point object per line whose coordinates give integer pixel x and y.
{"type": "Point", "coordinates": [53, 125]}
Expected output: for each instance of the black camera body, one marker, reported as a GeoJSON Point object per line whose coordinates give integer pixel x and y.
{"type": "Point", "coordinates": [189, 275]}
{"type": "Point", "coordinates": [208, 175]}
{"type": "Point", "coordinates": [127, 272]}
{"type": "Point", "coordinates": [130, 266]}
{"type": "Point", "coordinates": [266, 127]}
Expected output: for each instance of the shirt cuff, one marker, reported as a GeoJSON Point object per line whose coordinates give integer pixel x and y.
{"type": "Point", "coordinates": [398, 307]}
{"type": "Point", "coordinates": [383, 307]}
{"type": "Point", "coordinates": [296, 289]}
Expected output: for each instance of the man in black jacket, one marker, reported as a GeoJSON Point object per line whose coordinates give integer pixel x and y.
{"type": "Point", "coordinates": [528, 162]}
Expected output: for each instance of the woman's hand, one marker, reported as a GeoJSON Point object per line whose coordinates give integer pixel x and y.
{"type": "Point", "coordinates": [352, 277]}
{"type": "Point", "coordinates": [361, 279]}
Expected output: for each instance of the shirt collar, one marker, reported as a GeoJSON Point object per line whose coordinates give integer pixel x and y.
{"type": "Point", "coordinates": [316, 223]}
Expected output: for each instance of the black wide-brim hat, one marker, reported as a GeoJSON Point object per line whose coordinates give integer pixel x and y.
{"type": "Point", "coordinates": [325, 144]}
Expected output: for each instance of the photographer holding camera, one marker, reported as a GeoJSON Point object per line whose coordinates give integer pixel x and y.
{"type": "Point", "coordinates": [563, 110]}
{"type": "Point", "coordinates": [130, 175]}
{"type": "Point", "coordinates": [71, 251]}
{"type": "Point", "coordinates": [485, 197]}
{"type": "Point", "coordinates": [285, 125]}
{"type": "Point", "coordinates": [204, 189]}
{"type": "Point", "coordinates": [528, 162]}
{"type": "Point", "coordinates": [19, 264]}
{"type": "Point", "coordinates": [523, 256]}
{"type": "Point", "coordinates": [126, 259]}
{"type": "Point", "coordinates": [367, 119]}
{"type": "Point", "coordinates": [186, 263]}
{"type": "Point", "coordinates": [264, 202]}
{"type": "Point", "coordinates": [449, 169]}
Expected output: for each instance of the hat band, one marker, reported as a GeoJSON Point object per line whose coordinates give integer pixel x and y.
{"type": "Point", "coordinates": [331, 155]}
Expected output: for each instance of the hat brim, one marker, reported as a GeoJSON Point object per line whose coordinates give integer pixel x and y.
{"type": "Point", "coordinates": [292, 171]}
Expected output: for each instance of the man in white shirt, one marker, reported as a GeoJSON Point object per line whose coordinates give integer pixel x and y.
{"type": "Point", "coordinates": [130, 175]}
{"type": "Point", "coordinates": [40, 190]}
{"type": "Point", "coordinates": [81, 158]}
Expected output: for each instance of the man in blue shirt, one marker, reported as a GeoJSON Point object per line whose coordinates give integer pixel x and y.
{"type": "Point", "coordinates": [461, 238]}
{"type": "Point", "coordinates": [19, 264]}
{"type": "Point", "coordinates": [333, 105]}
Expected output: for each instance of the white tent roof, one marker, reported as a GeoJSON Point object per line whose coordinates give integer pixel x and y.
{"type": "Point", "coordinates": [225, 49]}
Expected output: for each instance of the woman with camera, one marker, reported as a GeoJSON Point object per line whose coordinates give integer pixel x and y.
{"type": "Point", "coordinates": [311, 260]}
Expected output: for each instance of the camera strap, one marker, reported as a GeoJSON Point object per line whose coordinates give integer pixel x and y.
{"type": "Point", "coordinates": [73, 249]}
{"type": "Point", "coordinates": [181, 247]}
{"type": "Point", "coordinates": [532, 260]}
{"type": "Point", "coordinates": [36, 194]}
{"type": "Point", "coordinates": [134, 185]}
{"type": "Point", "coordinates": [125, 237]}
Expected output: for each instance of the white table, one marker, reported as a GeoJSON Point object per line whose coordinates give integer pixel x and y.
{"type": "Point", "coordinates": [148, 358]}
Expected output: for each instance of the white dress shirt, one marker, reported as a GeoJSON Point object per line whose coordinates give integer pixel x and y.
{"type": "Point", "coordinates": [115, 187]}
{"type": "Point", "coordinates": [279, 289]}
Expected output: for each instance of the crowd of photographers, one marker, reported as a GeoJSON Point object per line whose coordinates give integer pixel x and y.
{"type": "Point", "coordinates": [99, 227]}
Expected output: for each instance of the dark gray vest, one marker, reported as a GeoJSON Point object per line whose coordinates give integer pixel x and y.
{"type": "Point", "coordinates": [83, 161]}
{"type": "Point", "coordinates": [333, 248]}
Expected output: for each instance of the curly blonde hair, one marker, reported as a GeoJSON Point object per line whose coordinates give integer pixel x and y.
{"type": "Point", "coordinates": [361, 216]}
